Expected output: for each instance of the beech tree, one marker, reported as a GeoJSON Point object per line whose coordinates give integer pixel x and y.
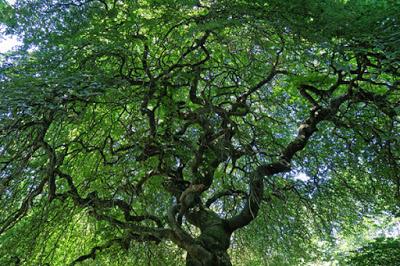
{"type": "Point", "coordinates": [170, 132]}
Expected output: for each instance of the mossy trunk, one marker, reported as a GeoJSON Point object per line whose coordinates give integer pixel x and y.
{"type": "Point", "coordinates": [216, 259]}
{"type": "Point", "coordinates": [214, 240]}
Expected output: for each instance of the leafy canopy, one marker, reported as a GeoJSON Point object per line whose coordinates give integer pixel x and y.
{"type": "Point", "coordinates": [382, 251]}
{"type": "Point", "coordinates": [140, 131]}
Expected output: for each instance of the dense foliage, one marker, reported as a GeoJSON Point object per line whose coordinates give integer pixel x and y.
{"type": "Point", "coordinates": [382, 251]}
{"type": "Point", "coordinates": [160, 131]}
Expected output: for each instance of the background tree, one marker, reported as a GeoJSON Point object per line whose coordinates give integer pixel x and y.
{"type": "Point", "coordinates": [132, 131]}
{"type": "Point", "coordinates": [382, 251]}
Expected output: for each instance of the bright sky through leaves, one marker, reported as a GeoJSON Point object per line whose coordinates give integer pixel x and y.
{"type": "Point", "coordinates": [8, 42]}
{"type": "Point", "coordinates": [302, 176]}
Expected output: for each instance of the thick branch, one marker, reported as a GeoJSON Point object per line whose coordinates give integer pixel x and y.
{"type": "Point", "coordinates": [252, 205]}
{"type": "Point", "coordinates": [305, 131]}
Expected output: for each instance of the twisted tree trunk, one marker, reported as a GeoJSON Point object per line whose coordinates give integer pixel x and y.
{"type": "Point", "coordinates": [214, 240]}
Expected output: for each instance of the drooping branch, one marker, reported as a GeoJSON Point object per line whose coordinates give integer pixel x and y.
{"type": "Point", "coordinates": [93, 252]}
{"type": "Point", "coordinates": [38, 188]}
{"type": "Point", "coordinates": [95, 202]}
{"type": "Point", "coordinates": [26, 204]}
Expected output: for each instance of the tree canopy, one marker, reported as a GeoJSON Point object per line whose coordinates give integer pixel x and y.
{"type": "Point", "coordinates": [166, 132]}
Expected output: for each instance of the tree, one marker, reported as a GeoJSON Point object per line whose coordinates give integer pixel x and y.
{"type": "Point", "coordinates": [382, 251]}
{"type": "Point", "coordinates": [166, 126]}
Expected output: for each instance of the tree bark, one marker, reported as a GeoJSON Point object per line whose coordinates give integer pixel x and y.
{"type": "Point", "coordinates": [215, 245]}
{"type": "Point", "coordinates": [216, 259]}
{"type": "Point", "coordinates": [213, 242]}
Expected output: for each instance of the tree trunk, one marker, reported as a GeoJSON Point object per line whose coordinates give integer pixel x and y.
{"type": "Point", "coordinates": [213, 241]}
{"type": "Point", "coordinates": [216, 259]}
